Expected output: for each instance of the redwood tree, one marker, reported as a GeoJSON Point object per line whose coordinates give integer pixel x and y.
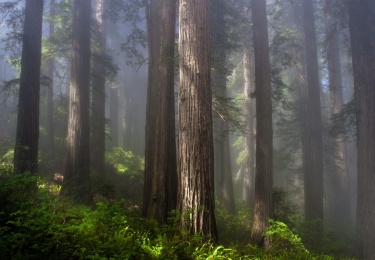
{"type": "Point", "coordinates": [160, 196]}
{"type": "Point", "coordinates": [26, 148]}
{"type": "Point", "coordinates": [77, 168]}
{"type": "Point", "coordinates": [196, 163]}
{"type": "Point", "coordinates": [98, 95]}
{"type": "Point", "coordinates": [264, 161]}
{"type": "Point", "coordinates": [339, 201]}
{"type": "Point", "coordinates": [50, 105]}
{"type": "Point", "coordinates": [362, 34]}
{"type": "Point", "coordinates": [313, 159]}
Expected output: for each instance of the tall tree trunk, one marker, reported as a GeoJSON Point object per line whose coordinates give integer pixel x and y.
{"type": "Point", "coordinates": [98, 97]}
{"type": "Point", "coordinates": [26, 148]}
{"type": "Point", "coordinates": [248, 191]}
{"type": "Point", "coordinates": [339, 205]}
{"type": "Point", "coordinates": [162, 165]}
{"type": "Point", "coordinates": [264, 160]}
{"type": "Point", "coordinates": [113, 111]}
{"type": "Point", "coordinates": [50, 66]}
{"type": "Point", "coordinates": [362, 34]}
{"type": "Point", "coordinates": [77, 171]}
{"type": "Point", "coordinates": [196, 159]}
{"type": "Point", "coordinates": [153, 31]}
{"type": "Point", "coordinates": [299, 80]}
{"type": "Point", "coordinates": [313, 175]}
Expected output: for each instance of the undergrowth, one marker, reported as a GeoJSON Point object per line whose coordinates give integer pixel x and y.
{"type": "Point", "coordinates": [36, 224]}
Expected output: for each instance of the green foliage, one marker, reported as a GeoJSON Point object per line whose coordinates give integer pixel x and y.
{"type": "Point", "coordinates": [6, 163]}
{"type": "Point", "coordinates": [282, 239]}
{"type": "Point", "coordinates": [35, 224]}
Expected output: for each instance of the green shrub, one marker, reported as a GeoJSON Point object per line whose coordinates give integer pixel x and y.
{"type": "Point", "coordinates": [6, 163]}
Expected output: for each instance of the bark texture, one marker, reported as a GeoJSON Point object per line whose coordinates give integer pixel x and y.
{"type": "Point", "coordinates": [161, 140]}
{"type": "Point", "coordinates": [196, 162]}
{"type": "Point", "coordinates": [264, 160]}
{"type": "Point", "coordinates": [77, 171]}
{"type": "Point", "coordinates": [27, 136]}
{"type": "Point", "coordinates": [313, 159]}
{"type": "Point", "coordinates": [362, 34]}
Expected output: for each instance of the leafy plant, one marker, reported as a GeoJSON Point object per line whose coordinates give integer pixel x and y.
{"type": "Point", "coordinates": [6, 163]}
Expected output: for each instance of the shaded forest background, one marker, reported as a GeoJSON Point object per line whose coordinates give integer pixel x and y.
{"type": "Point", "coordinates": [170, 129]}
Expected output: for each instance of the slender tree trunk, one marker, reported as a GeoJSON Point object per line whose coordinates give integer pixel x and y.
{"type": "Point", "coordinates": [339, 205]}
{"type": "Point", "coordinates": [50, 66]}
{"type": "Point", "coordinates": [264, 160]}
{"type": "Point", "coordinates": [362, 34]}
{"type": "Point", "coordinates": [162, 165]}
{"type": "Point", "coordinates": [128, 121]}
{"type": "Point", "coordinates": [248, 191]}
{"type": "Point", "coordinates": [26, 148]}
{"type": "Point", "coordinates": [313, 176]}
{"type": "Point", "coordinates": [77, 171]}
{"type": "Point", "coordinates": [223, 169]}
{"type": "Point", "coordinates": [113, 110]}
{"type": "Point", "coordinates": [196, 160]}
{"type": "Point", "coordinates": [98, 97]}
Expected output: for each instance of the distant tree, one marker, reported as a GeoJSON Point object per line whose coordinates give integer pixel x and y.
{"type": "Point", "coordinates": [50, 105]}
{"type": "Point", "coordinates": [195, 142]}
{"type": "Point", "coordinates": [313, 160]}
{"type": "Point", "coordinates": [248, 191]}
{"type": "Point", "coordinates": [339, 206]}
{"type": "Point", "coordinates": [219, 58]}
{"type": "Point", "coordinates": [98, 95]}
{"type": "Point", "coordinates": [77, 167]}
{"type": "Point", "coordinates": [113, 111]}
{"type": "Point", "coordinates": [362, 34]}
{"type": "Point", "coordinates": [160, 195]}
{"type": "Point", "coordinates": [263, 173]}
{"type": "Point", "coordinates": [26, 148]}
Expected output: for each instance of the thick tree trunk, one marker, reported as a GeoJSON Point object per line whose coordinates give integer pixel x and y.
{"type": "Point", "coordinates": [313, 175]}
{"type": "Point", "coordinates": [362, 34]}
{"type": "Point", "coordinates": [263, 174]}
{"type": "Point", "coordinates": [77, 171]}
{"type": "Point", "coordinates": [339, 201]}
{"type": "Point", "coordinates": [196, 160]}
{"type": "Point", "coordinates": [98, 97]}
{"type": "Point", "coordinates": [162, 165]}
{"type": "Point", "coordinates": [26, 148]}
{"type": "Point", "coordinates": [50, 66]}
{"type": "Point", "coordinates": [248, 191]}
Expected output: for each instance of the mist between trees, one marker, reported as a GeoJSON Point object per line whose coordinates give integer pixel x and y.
{"type": "Point", "coordinates": [243, 128]}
